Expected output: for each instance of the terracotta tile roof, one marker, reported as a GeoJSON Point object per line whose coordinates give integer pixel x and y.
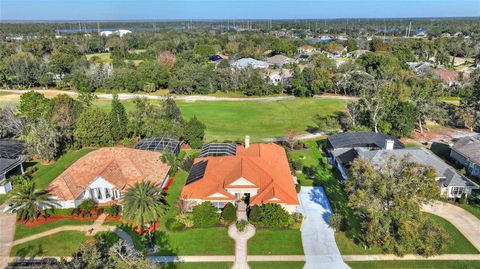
{"type": "Point", "coordinates": [119, 166]}
{"type": "Point", "coordinates": [264, 165]}
{"type": "Point", "coordinates": [446, 75]}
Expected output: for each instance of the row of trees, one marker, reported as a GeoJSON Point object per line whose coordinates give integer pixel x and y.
{"type": "Point", "coordinates": [51, 125]}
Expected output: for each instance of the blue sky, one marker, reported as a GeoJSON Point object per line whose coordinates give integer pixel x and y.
{"type": "Point", "coordinates": [231, 9]}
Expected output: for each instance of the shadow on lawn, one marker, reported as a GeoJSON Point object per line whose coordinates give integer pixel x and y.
{"type": "Point", "coordinates": [30, 251]}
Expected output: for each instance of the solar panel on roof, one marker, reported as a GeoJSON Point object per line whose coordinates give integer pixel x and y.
{"type": "Point", "coordinates": [159, 145]}
{"type": "Point", "coordinates": [218, 149]}
{"type": "Point", "coordinates": [197, 171]}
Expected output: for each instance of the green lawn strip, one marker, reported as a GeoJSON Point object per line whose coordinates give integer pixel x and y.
{"type": "Point", "coordinates": [276, 265]}
{"type": "Point", "coordinates": [46, 173]}
{"type": "Point", "coordinates": [276, 242]}
{"type": "Point", "coordinates": [197, 241]}
{"type": "Point", "coordinates": [173, 193]}
{"type": "Point", "coordinates": [473, 209]}
{"type": "Point", "coordinates": [415, 264]}
{"type": "Point", "coordinates": [59, 244]}
{"type": "Point", "coordinates": [23, 231]}
{"type": "Point", "coordinates": [457, 243]}
{"type": "Point", "coordinates": [348, 247]}
{"type": "Point", "coordinates": [197, 265]}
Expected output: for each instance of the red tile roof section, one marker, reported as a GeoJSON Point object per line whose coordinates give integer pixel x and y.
{"type": "Point", "coordinates": [264, 165]}
{"type": "Point", "coordinates": [119, 166]}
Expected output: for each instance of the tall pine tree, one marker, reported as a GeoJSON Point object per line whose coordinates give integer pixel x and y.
{"type": "Point", "coordinates": [119, 120]}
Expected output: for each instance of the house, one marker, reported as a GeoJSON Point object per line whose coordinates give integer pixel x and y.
{"type": "Point", "coordinates": [452, 184]}
{"type": "Point", "coordinates": [250, 62]}
{"type": "Point", "coordinates": [306, 49]}
{"type": "Point", "coordinates": [257, 173]}
{"type": "Point", "coordinates": [11, 162]}
{"type": "Point", "coordinates": [356, 53]}
{"type": "Point", "coordinates": [375, 148]}
{"type": "Point", "coordinates": [279, 60]}
{"type": "Point", "coordinates": [449, 77]}
{"type": "Point", "coordinates": [163, 144]}
{"type": "Point", "coordinates": [280, 77]}
{"type": "Point", "coordinates": [343, 148]}
{"type": "Point", "coordinates": [122, 32]}
{"type": "Point", "coordinates": [105, 174]}
{"type": "Point", "coordinates": [106, 33]}
{"type": "Point", "coordinates": [217, 58]}
{"type": "Point", "coordinates": [466, 151]}
{"type": "Point", "coordinates": [420, 68]}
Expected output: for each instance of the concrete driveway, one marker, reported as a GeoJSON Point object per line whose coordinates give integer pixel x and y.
{"type": "Point", "coordinates": [7, 230]}
{"type": "Point", "coordinates": [318, 238]}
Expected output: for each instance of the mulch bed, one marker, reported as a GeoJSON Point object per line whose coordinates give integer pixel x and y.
{"type": "Point", "coordinates": [41, 220]}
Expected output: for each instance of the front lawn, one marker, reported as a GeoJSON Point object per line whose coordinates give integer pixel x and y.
{"type": "Point", "coordinates": [173, 193]}
{"type": "Point", "coordinates": [197, 241]}
{"type": "Point", "coordinates": [415, 264]}
{"type": "Point", "coordinates": [25, 231]}
{"type": "Point", "coordinates": [457, 243]}
{"type": "Point", "coordinates": [59, 244]}
{"type": "Point", "coordinates": [276, 265]}
{"type": "Point", "coordinates": [46, 173]}
{"type": "Point", "coordinates": [276, 242]}
{"type": "Point", "coordinates": [473, 209]}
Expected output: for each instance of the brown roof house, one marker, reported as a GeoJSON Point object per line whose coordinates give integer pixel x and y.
{"type": "Point", "coordinates": [105, 174]}
{"type": "Point", "coordinates": [449, 77]}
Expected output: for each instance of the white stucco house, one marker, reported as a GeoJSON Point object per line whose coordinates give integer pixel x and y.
{"type": "Point", "coordinates": [105, 174]}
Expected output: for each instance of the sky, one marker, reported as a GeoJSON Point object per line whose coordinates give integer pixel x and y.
{"type": "Point", "coordinates": [232, 9]}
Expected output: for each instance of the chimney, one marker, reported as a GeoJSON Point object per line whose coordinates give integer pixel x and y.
{"type": "Point", "coordinates": [389, 143]}
{"type": "Point", "coordinates": [247, 141]}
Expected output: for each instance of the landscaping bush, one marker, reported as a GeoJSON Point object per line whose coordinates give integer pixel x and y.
{"type": "Point", "coordinates": [298, 187]}
{"type": "Point", "coordinates": [109, 238]}
{"type": "Point", "coordinates": [174, 225]}
{"type": "Point", "coordinates": [205, 215]}
{"type": "Point", "coordinates": [297, 164]}
{"type": "Point", "coordinates": [255, 214]}
{"type": "Point", "coordinates": [86, 207]}
{"type": "Point", "coordinates": [296, 221]}
{"type": "Point", "coordinates": [274, 216]}
{"type": "Point", "coordinates": [241, 225]}
{"type": "Point", "coordinates": [463, 199]}
{"type": "Point", "coordinates": [185, 219]}
{"type": "Point", "coordinates": [229, 213]}
{"type": "Point", "coordinates": [113, 210]}
{"type": "Point", "coordinates": [336, 221]}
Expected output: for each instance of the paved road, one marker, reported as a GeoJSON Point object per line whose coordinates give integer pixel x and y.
{"type": "Point", "coordinates": [464, 221]}
{"type": "Point", "coordinates": [318, 238]}
{"type": "Point", "coordinates": [7, 230]}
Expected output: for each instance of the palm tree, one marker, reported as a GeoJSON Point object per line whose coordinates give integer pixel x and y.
{"type": "Point", "coordinates": [29, 202]}
{"type": "Point", "coordinates": [143, 204]}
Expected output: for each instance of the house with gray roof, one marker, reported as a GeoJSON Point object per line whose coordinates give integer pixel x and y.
{"type": "Point", "coordinates": [466, 151]}
{"type": "Point", "coordinates": [250, 62]}
{"type": "Point", "coordinates": [11, 161]}
{"type": "Point", "coordinates": [279, 60]}
{"type": "Point", "coordinates": [375, 148]}
{"type": "Point", "coordinates": [343, 148]}
{"type": "Point", "coordinates": [452, 184]}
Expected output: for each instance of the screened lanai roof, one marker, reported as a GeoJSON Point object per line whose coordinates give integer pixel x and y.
{"type": "Point", "coordinates": [160, 145]}
{"type": "Point", "coordinates": [11, 149]}
{"type": "Point", "coordinates": [218, 149]}
{"type": "Point", "coordinates": [361, 139]}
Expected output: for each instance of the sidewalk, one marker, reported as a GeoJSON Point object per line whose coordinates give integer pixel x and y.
{"type": "Point", "coordinates": [7, 230]}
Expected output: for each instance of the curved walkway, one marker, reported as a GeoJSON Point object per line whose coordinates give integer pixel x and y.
{"type": "Point", "coordinates": [465, 222]}
{"type": "Point", "coordinates": [241, 238]}
{"type": "Point", "coordinates": [7, 230]}
{"type": "Point", "coordinates": [96, 227]}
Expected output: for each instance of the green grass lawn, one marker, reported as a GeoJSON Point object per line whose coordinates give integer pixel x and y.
{"type": "Point", "coordinates": [474, 209]}
{"type": "Point", "coordinates": [276, 265]}
{"type": "Point", "coordinates": [46, 173]}
{"type": "Point", "coordinates": [415, 264]}
{"type": "Point", "coordinates": [457, 243]}
{"type": "Point", "coordinates": [198, 241]}
{"type": "Point", "coordinates": [259, 119]}
{"type": "Point", "coordinates": [59, 244]}
{"type": "Point", "coordinates": [173, 193]}
{"type": "Point", "coordinates": [276, 242]}
{"type": "Point", "coordinates": [3, 198]}
{"type": "Point", "coordinates": [25, 231]}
